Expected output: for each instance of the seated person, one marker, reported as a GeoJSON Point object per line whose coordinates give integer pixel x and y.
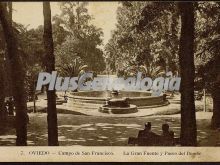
{"type": "Point", "coordinates": [151, 137]}
{"type": "Point", "coordinates": [167, 136]}
{"type": "Point", "coordinates": [146, 131]}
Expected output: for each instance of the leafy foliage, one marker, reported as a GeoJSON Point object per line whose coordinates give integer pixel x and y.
{"type": "Point", "coordinates": [81, 43]}
{"type": "Point", "coordinates": [207, 57]}
{"type": "Point", "coordinates": [146, 36]}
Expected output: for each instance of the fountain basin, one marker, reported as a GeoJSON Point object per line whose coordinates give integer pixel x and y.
{"type": "Point", "coordinates": [118, 110]}
{"type": "Point", "coordinates": [95, 99]}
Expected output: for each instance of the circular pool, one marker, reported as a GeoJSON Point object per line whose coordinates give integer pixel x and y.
{"type": "Point", "coordinates": [95, 99]}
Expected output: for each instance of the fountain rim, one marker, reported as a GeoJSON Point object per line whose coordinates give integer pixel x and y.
{"type": "Point", "coordinates": [101, 98]}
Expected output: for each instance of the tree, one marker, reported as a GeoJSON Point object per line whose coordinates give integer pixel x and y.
{"type": "Point", "coordinates": [207, 54]}
{"type": "Point", "coordinates": [2, 85]}
{"type": "Point", "coordinates": [163, 20]}
{"type": "Point", "coordinates": [50, 66]}
{"type": "Point", "coordinates": [216, 94]}
{"type": "Point", "coordinates": [187, 72]}
{"type": "Point", "coordinates": [77, 39]}
{"type": "Point", "coordinates": [68, 62]}
{"type": "Point", "coordinates": [2, 69]}
{"type": "Point", "coordinates": [17, 76]}
{"type": "Point", "coordinates": [32, 44]}
{"type": "Point", "coordinates": [10, 11]}
{"type": "Point", "coordinates": [146, 35]}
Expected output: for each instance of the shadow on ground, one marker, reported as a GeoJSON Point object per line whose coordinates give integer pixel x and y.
{"type": "Point", "coordinates": [102, 131]}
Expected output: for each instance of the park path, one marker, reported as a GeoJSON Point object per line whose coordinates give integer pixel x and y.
{"type": "Point", "coordinates": [99, 130]}
{"type": "Point", "coordinates": [104, 131]}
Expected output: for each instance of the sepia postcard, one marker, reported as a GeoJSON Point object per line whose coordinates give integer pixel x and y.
{"type": "Point", "coordinates": [109, 81]}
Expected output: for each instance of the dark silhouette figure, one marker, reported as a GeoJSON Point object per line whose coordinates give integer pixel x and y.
{"type": "Point", "coordinates": [167, 136]}
{"type": "Point", "coordinates": [146, 132]}
{"type": "Point", "coordinates": [147, 137]}
{"type": "Point", "coordinates": [10, 104]}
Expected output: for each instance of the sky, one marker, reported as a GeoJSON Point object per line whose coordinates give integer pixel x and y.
{"type": "Point", "coordinates": [31, 13]}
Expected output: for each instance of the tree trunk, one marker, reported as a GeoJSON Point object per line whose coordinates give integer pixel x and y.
{"type": "Point", "coordinates": [187, 71]}
{"type": "Point", "coordinates": [10, 12]}
{"type": "Point", "coordinates": [7, 68]}
{"type": "Point", "coordinates": [216, 95]}
{"type": "Point", "coordinates": [17, 77]}
{"type": "Point", "coordinates": [50, 66]}
{"type": "Point", "coordinates": [2, 89]}
{"type": "Point", "coordinates": [216, 108]}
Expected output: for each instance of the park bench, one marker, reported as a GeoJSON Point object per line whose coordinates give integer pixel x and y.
{"type": "Point", "coordinates": [157, 140]}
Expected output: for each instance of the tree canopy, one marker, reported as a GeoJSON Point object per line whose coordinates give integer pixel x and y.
{"type": "Point", "coordinates": [79, 40]}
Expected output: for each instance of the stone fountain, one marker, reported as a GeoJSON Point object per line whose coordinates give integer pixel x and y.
{"type": "Point", "coordinates": [117, 105]}
{"type": "Point", "coordinates": [98, 100]}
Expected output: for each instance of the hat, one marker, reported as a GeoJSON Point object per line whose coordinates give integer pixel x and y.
{"type": "Point", "coordinates": [84, 66]}
{"type": "Point", "coordinates": [114, 92]}
{"type": "Point", "coordinates": [148, 124]}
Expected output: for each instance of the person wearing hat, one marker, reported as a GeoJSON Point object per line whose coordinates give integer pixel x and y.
{"type": "Point", "coordinates": [83, 69]}
{"type": "Point", "coordinates": [146, 132]}
{"type": "Point", "coordinates": [167, 135]}
{"type": "Point", "coordinates": [147, 137]}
